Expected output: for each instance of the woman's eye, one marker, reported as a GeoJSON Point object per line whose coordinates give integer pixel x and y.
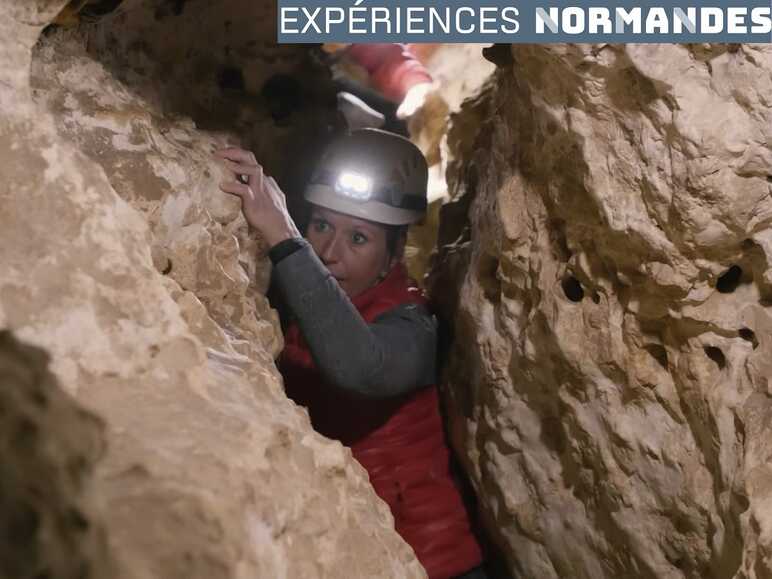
{"type": "Point", "coordinates": [358, 238]}
{"type": "Point", "coordinates": [321, 225]}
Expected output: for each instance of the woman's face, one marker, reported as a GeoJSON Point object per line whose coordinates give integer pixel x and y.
{"type": "Point", "coordinates": [354, 250]}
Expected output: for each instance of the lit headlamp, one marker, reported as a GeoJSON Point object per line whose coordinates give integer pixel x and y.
{"type": "Point", "coordinates": [360, 187]}
{"type": "Point", "coordinates": [354, 185]}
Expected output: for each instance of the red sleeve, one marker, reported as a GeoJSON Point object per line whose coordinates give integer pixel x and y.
{"type": "Point", "coordinates": [393, 68]}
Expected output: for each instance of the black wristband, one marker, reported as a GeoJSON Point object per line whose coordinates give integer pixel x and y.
{"type": "Point", "coordinates": [285, 248]}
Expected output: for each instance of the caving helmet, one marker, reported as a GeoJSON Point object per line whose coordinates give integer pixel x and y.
{"type": "Point", "coordinates": [374, 175]}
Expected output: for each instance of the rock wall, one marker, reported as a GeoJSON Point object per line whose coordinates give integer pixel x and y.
{"type": "Point", "coordinates": [49, 515]}
{"type": "Point", "coordinates": [218, 63]}
{"type": "Point", "coordinates": [121, 258]}
{"type": "Point", "coordinates": [605, 260]}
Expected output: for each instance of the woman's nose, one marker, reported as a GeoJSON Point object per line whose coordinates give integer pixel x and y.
{"type": "Point", "coordinates": [330, 250]}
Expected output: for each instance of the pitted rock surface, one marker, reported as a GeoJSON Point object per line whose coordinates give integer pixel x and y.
{"type": "Point", "coordinates": [605, 259]}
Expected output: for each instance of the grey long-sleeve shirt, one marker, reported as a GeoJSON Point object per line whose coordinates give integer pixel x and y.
{"type": "Point", "coordinates": [391, 356]}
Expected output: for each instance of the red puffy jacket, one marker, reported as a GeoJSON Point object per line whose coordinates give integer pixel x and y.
{"type": "Point", "coordinates": [393, 68]}
{"type": "Point", "coordinates": [399, 441]}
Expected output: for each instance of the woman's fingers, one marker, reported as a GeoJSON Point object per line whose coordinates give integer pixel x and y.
{"type": "Point", "coordinates": [242, 168]}
{"type": "Point", "coordinates": [237, 155]}
{"type": "Point", "coordinates": [249, 180]}
{"type": "Point", "coordinates": [237, 188]}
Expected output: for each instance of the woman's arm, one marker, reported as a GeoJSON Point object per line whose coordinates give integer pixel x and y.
{"type": "Point", "coordinates": [393, 355]}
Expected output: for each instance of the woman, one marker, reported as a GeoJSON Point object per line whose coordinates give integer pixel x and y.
{"type": "Point", "coordinates": [360, 351]}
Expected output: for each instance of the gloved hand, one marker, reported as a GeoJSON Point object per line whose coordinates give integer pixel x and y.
{"type": "Point", "coordinates": [414, 99]}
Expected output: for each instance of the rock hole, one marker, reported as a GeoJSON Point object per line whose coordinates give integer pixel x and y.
{"type": "Point", "coordinates": [557, 233]}
{"type": "Point", "coordinates": [716, 355]}
{"type": "Point", "coordinates": [168, 269]}
{"type": "Point", "coordinates": [748, 244]}
{"type": "Point", "coordinates": [488, 276]}
{"type": "Point", "coordinates": [77, 521]}
{"type": "Point", "coordinates": [26, 433]}
{"type": "Point", "coordinates": [573, 289]}
{"type": "Point", "coordinates": [178, 6]}
{"type": "Point", "coordinates": [499, 54]}
{"type": "Point", "coordinates": [552, 434]}
{"type": "Point", "coordinates": [39, 398]}
{"type": "Point", "coordinates": [659, 353]}
{"type": "Point", "coordinates": [729, 280]}
{"type": "Point", "coordinates": [231, 78]}
{"type": "Point", "coordinates": [76, 466]}
{"type": "Point", "coordinates": [748, 335]}
{"type": "Point", "coordinates": [742, 502]}
{"type": "Point", "coordinates": [283, 95]}
{"type": "Point", "coordinates": [596, 297]}
{"type": "Point", "coordinates": [769, 178]}
{"type": "Point", "coordinates": [740, 430]}
{"type": "Point", "coordinates": [677, 562]}
{"type": "Point", "coordinates": [23, 524]}
{"type": "Point", "coordinates": [93, 11]}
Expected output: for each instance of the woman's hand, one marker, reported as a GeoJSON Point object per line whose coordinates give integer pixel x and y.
{"type": "Point", "coordinates": [262, 201]}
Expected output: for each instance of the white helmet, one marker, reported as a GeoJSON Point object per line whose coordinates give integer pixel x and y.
{"type": "Point", "coordinates": [372, 174]}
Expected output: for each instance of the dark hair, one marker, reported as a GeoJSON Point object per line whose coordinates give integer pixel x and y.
{"type": "Point", "coordinates": [393, 234]}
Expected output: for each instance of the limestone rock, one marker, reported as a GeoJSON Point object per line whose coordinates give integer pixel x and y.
{"type": "Point", "coordinates": [218, 63]}
{"type": "Point", "coordinates": [606, 262]}
{"type": "Point", "coordinates": [122, 259]}
{"type": "Point", "coordinates": [459, 72]}
{"type": "Point", "coordinates": [49, 523]}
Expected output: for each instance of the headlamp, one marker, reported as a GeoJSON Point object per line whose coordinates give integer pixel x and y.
{"type": "Point", "coordinates": [354, 185]}
{"type": "Point", "coordinates": [360, 187]}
